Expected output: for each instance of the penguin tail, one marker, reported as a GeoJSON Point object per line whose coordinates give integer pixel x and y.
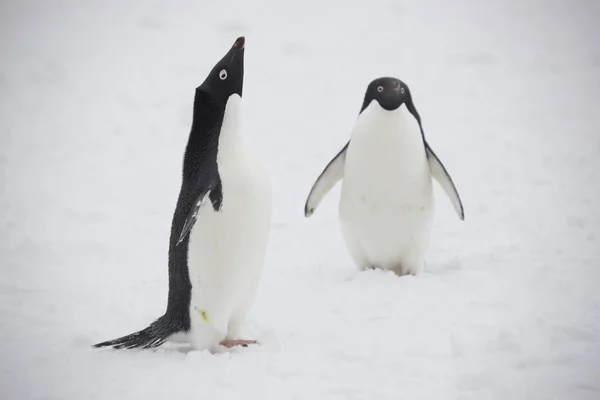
{"type": "Point", "coordinates": [153, 336]}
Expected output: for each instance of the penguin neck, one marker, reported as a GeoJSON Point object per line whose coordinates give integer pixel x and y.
{"type": "Point", "coordinates": [230, 140]}
{"type": "Point", "coordinates": [214, 133]}
{"type": "Point", "coordinates": [203, 141]}
{"type": "Point", "coordinates": [230, 152]}
{"type": "Point", "coordinates": [376, 116]}
{"type": "Point", "coordinates": [377, 122]}
{"type": "Point", "coordinates": [396, 134]}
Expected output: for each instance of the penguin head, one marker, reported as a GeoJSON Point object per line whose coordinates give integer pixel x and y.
{"type": "Point", "coordinates": [390, 93]}
{"type": "Point", "coordinates": [227, 76]}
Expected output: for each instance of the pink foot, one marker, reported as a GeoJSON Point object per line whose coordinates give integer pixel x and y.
{"type": "Point", "coordinates": [239, 342]}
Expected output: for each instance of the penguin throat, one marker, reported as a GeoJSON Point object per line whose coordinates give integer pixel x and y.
{"type": "Point", "coordinates": [229, 137]}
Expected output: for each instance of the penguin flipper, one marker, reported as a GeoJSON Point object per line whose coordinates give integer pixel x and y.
{"type": "Point", "coordinates": [153, 336]}
{"type": "Point", "coordinates": [333, 172]}
{"type": "Point", "coordinates": [193, 213]}
{"type": "Point", "coordinates": [438, 171]}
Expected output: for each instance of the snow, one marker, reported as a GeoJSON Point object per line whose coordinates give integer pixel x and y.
{"type": "Point", "coordinates": [95, 109]}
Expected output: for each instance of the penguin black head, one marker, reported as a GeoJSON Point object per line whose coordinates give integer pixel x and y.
{"type": "Point", "coordinates": [390, 93]}
{"type": "Point", "coordinates": [227, 76]}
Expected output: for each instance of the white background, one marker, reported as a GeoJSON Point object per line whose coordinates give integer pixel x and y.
{"type": "Point", "coordinates": [95, 109]}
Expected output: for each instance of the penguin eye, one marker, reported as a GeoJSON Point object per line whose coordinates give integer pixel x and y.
{"type": "Point", "coordinates": [402, 90]}
{"type": "Point", "coordinates": [223, 74]}
{"type": "Point", "coordinates": [380, 89]}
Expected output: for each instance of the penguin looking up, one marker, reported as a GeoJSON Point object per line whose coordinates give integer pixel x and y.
{"type": "Point", "coordinates": [220, 227]}
{"type": "Point", "coordinates": [386, 206]}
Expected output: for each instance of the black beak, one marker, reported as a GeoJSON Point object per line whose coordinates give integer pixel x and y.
{"type": "Point", "coordinates": [240, 43]}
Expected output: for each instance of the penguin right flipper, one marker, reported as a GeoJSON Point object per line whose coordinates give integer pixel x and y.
{"type": "Point", "coordinates": [439, 172]}
{"type": "Point", "coordinates": [193, 213]}
{"type": "Point", "coordinates": [333, 172]}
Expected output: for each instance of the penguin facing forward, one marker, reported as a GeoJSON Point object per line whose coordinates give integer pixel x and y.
{"type": "Point", "coordinates": [386, 206]}
{"type": "Point", "coordinates": [220, 227]}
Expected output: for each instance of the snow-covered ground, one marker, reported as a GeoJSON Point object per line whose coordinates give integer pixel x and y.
{"type": "Point", "coordinates": [95, 109]}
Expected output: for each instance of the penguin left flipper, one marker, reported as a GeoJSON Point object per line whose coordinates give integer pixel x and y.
{"type": "Point", "coordinates": [438, 171]}
{"type": "Point", "coordinates": [333, 172]}
{"type": "Point", "coordinates": [193, 213]}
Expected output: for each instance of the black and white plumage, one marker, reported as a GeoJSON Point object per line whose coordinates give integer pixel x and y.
{"type": "Point", "coordinates": [386, 206]}
{"type": "Point", "coordinates": [221, 223]}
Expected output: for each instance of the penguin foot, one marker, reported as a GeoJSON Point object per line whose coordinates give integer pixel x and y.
{"type": "Point", "coordinates": [229, 343]}
{"type": "Point", "coordinates": [367, 267]}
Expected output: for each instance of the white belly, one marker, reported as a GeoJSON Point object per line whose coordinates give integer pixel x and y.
{"type": "Point", "coordinates": [386, 205]}
{"type": "Point", "coordinates": [226, 254]}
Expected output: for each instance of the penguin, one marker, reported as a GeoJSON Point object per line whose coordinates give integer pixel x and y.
{"type": "Point", "coordinates": [386, 203]}
{"type": "Point", "coordinates": [220, 227]}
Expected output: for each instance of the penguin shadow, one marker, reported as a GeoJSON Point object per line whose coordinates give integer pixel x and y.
{"type": "Point", "coordinates": [449, 267]}
{"type": "Point", "coordinates": [267, 342]}
{"type": "Point", "coordinates": [370, 272]}
{"type": "Point", "coordinates": [438, 269]}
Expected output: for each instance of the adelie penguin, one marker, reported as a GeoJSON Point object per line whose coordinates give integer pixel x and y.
{"type": "Point", "coordinates": [386, 206]}
{"type": "Point", "coordinates": [220, 227]}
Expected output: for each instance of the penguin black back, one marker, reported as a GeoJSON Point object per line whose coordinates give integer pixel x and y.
{"type": "Point", "coordinates": [200, 176]}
